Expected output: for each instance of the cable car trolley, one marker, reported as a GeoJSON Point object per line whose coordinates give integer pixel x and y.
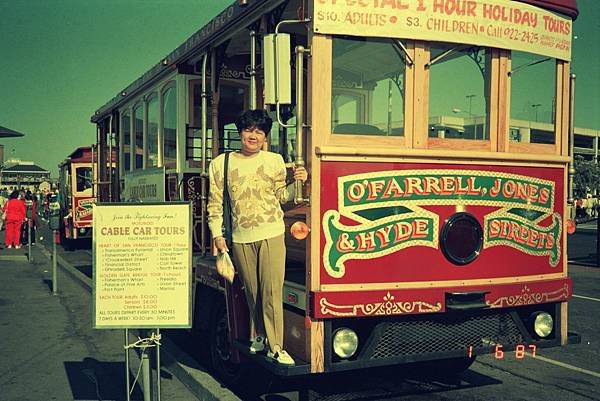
{"type": "Point", "coordinates": [436, 135]}
{"type": "Point", "coordinates": [78, 189]}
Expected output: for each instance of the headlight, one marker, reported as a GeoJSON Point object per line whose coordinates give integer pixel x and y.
{"type": "Point", "coordinates": [461, 238]}
{"type": "Point", "coordinates": [82, 230]}
{"type": "Point", "coordinates": [345, 342]}
{"type": "Point", "coordinates": [543, 324]}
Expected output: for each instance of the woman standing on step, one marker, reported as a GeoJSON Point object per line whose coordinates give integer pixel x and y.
{"type": "Point", "coordinates": [257, 187]}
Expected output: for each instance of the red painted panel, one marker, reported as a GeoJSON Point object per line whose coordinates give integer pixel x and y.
{"type": "Point", "coordinates": [82, 213]}
{"type": "Point", "coordinates": [432, 300]}
{"type": "Point", "coordinates": [86, 155]}
{"type": "Point", "coordinates": [426, 263]}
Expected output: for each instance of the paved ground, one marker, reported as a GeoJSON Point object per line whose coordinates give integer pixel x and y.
{"type": "Point", "coordinates": [582, 246]}
{"type": "Point", "coordinates": [51, 352]}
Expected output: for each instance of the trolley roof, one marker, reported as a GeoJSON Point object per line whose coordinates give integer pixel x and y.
{"type": "Point", "coordinates": [235, 17]}
{"type": "Point", "coordinates": [232, 18]}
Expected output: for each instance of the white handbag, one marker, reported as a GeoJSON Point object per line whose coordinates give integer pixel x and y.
{"type": "Point", "coordinates": [225, 266]}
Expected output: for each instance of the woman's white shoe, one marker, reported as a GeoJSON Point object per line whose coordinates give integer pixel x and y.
{"type": "Point", "coordinates": [282, 357]}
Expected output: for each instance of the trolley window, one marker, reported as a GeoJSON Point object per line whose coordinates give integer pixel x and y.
{"type": "Point", "coordinates": [126, 126]}
{"type": "Point", "coordinates": [152, 137]}
{"type": "Point", "coordinates": [138, 115]}
{"type": "Point", "coordinates": [194, 133]}
{"type": "Point", "coordinates": [83, 177]}
{"type": "Point", "coordinates": [170, 127]}
{"type": "Point", "coordinates": [532, 98]}
{"type": "Point", "coordinates": [458, 78]}
{"type": "Point", "coordinates": [368, 78]}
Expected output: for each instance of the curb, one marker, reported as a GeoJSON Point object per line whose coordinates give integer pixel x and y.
{"type": "Point", "coordinates": [195, 378]}
{"type": "Point", "coordinates": [13, 258]}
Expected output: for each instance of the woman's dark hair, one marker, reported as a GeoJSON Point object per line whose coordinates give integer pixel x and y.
{"type": "Point", "coordinates": [251, 119]}
{"type": "Point", "coordinates": [14, 194]}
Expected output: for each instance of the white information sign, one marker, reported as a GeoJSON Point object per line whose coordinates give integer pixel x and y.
{"type": "Point", "coordinates": [142, 265]}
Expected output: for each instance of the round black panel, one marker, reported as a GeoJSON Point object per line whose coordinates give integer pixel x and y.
{"type": "Point", "coordinates": [461, 238]}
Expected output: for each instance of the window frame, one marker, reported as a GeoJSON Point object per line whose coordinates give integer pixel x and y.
{"type": "Point", "coordinates": [170, 85]}
{"type": "Point", "coordinates": [325, 46]}
{"type": "Point", "coordinates": [126, 112]}
{"type": "Point", "coordinates": [137, 105]}
{"type": "Point", "coordinates": [416, 111]}
{"type": "Point", "coordinates": [146, 129]}
{"type": "Point", "coordinates": [561, 113]}
{"type": "Point", "coordinates": [491, 112]}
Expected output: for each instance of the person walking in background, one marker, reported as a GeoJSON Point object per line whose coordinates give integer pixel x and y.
{"type": "Point", "coordinates": [257, 187]}
{"type": "Point", "coordinates": [15, 215]}
{"type": "Point", "coordinates": [31, 204]}
{"type": "Point", "coordinates": [3, 200]}
{"type": "Point", "coordinates": [23, 231]}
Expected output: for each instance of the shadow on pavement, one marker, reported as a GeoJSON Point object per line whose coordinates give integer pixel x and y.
{"type": "Point", "coordinates": [382, 383]}
{"type": "Point", "coordinates": [590, 260]}
{"type": "Point", "coordinates": [48, 282]}
{"type": "Point", "coordinates": [91, 379]}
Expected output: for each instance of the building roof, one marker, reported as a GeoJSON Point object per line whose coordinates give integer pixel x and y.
{"type": "Point", "coordinates": [7, 132]}
{"type": "Point", "coordinates": [25, 168]}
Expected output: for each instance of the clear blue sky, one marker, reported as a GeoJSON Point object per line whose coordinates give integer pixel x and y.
{"type": "Point", "coordinates": [60, 60]}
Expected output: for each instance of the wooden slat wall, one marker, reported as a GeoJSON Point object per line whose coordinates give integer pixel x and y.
{"type": "Point", "coordinates": [503, 98]}
{"type": "Point", "coordinates": [320, 120]}
{"type": "Point", "coordinates": [563, 91]}
{"type": "Point", "coordinates": [409, 93]}
{"type": "Point", "coordinates": [421, 97]}
{"type": "Point", "coordinates": [493, 120]}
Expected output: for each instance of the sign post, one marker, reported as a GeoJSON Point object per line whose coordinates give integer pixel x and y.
{"type": "Point", "coordinates": [142, 272]}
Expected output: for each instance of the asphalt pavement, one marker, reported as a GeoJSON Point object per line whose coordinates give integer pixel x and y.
{"type": "Point", "coordinates": [50, 350]}
{"type": "Point", "coordinates": [582, 247]}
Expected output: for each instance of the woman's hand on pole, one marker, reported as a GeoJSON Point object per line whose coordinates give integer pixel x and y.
{"type": "Point", "coordinates": [300, 173]}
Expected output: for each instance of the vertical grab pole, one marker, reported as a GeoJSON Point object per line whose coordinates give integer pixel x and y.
{"type": "Point", "coordinates": [253, 70]}
{"type": "Point", "coordinates": [127, 384]}
{"type": "Point", "coordinates": [158, 365]}
{"type": "Point", "coordinates": [94, 181]}
{"type": "Point", "coordinates": [204, 174]}
{"type": "Point", "coordinates": [299, 50]}
{"type": "Point", "coordinates": [299, 162]}
{"type": "Point", "coordinates": [571, 200]}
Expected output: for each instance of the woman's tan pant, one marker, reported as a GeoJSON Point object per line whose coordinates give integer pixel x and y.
{"type": "Point", "coordinates": [261, 265]}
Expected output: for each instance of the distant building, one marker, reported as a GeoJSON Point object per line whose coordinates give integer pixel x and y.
{"type": "Point", "coordinates": [22, 174]}
{"type": "Point", "coordinates": [586, 140]}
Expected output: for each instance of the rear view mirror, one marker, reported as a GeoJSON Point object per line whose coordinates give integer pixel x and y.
{"type": "Point", "coordinates": [276, 62]}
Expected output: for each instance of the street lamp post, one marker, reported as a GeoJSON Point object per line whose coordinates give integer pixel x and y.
{"type": "Point", "coordinates": [535, 107]}
{"type": "Point", "coordinates": [471, 116]}
{"type": "Point", "coordinates": [470, 97]}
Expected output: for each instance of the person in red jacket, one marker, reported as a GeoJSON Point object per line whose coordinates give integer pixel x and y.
{"type": "Point", "coordinates": [15, 215]}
